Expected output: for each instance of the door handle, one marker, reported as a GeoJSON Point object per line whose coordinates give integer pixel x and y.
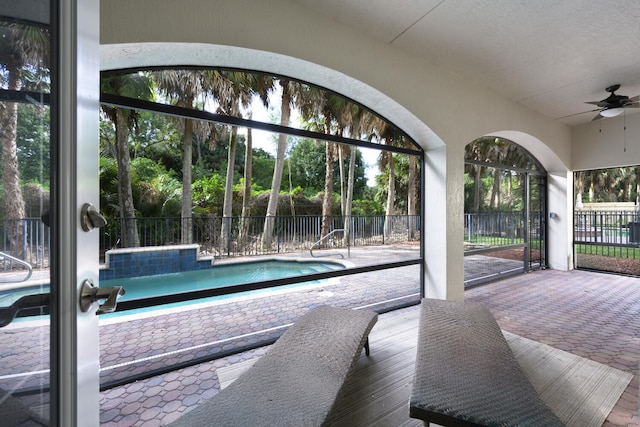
{"type": "Point", "coordinates": [90, 293]}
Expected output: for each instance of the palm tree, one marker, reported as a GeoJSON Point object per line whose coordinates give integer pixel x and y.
{"type": "Point", "coordinates": [360, 121]}
{"type": "Point", "coordinates": [246, 191]}
{"type": "Point", "coordinates": [234, 91]}
{"type": "Point", "coordinates": [387, 161]}
{"type": "Point", "coordinates": [334, 111]}
{"type": "Point", "coordinates": [134, 86]}
{"type": "Point", "coordinates": [291, 93]}
{"type": "Point", "coordinates": [635, 188]}
{"type": "Point", "coordinates": [579, 185]}
{"type": "Point", "coordinates": [411, 181]}
{"type": "Point", "coordinates": [351, 123]}
{"type": "Point", "coordinates": [327, 199]}
{"type": "Point", "coordinates": [184, 87]}
{"type": "Point", "coordinates": [20, 46]}
{"type": "Point", "coordinates": [497, 153]}
{"type": "Point", "coordinates": [478, 150]}
{"type": "Point", "coordinates": [412, 199]}
{"type": "Point", "coordinates": [262, 86]}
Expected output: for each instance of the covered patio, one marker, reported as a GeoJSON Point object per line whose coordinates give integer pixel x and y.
{"type": "Point", "coordinates": [446, 75]}
{"type": "Point", "coordinates": [533, 73]}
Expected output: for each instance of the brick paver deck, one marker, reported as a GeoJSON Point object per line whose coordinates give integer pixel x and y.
{"type": "Point", "coordinates": [589, 314]}
{"type": "Point", "coordinates": [592, 315]}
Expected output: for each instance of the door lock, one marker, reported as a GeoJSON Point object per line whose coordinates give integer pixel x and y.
{"type": "Point", "coordinates": [90, 293]}
{"type": "Point", "coordinates": [91, 218]}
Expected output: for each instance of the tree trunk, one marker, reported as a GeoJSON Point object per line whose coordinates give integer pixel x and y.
{"type": "Point", "coordinates": [130, 237]}
{"type": "Point", "coordinates": [495, 190]}
{"type": "Point", "coordinates": [476, 189]}
{"type": "Point", "coordinates": [412, 203]}
{"type": "Point", "coordinates": [343, 194]}
{"type": "Point", "coordinates": [246, 199]}
{"type": "Point", "coordinates": [291, 201]}
{"type": "Point", "coordinates": [272, 207]}
{"type": "Point", "coordinates": [328, 189]}
{"type": "Point", "coordinates": [636, 172]}
{"type": "Point", "coordinates": [227, 209]}
{"type": "Point", "coordinates": [390, 196]}
{"type": "Point", "coordinates": [349, 204]}
{"type": "Point", "coordinates": [579, 182]}
{"type": "Point", "coordinates": [14, 208]}
{"type": "Point", "coordinates": [187, 199]}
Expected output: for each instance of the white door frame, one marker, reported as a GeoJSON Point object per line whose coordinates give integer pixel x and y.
{"type": "Point", "coordinates": [75, 340]}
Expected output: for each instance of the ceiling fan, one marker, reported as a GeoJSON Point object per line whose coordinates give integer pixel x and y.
{"type": "Point", "coordinates": [614, 105]}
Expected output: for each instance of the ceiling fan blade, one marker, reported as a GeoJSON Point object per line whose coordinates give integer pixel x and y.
{"type": "Point", "coordinates": [598, 103]}
{"type": "Point", "coordinates": [633, 102]}
{"type": "Point", "coordinates": [577, 114]}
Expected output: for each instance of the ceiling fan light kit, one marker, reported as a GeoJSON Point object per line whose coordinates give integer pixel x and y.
{"type": "Point", "coordinates": [612, 112]}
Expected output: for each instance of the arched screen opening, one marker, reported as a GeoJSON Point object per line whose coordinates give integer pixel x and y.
{"type": "Point", "coordinates": [239, 167]}
{"type": "Point", "coordinates": [505, 210]}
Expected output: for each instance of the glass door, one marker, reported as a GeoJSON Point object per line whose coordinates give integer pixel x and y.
{"type": "Point", "coordinates": [25, 117]}
{"type": "Point", "coordinates": [48, 134]}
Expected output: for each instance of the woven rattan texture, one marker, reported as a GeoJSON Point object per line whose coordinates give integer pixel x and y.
{"type": "Point", "coordinates": [466, 373]}
{"type": "Point", "coordinates": [296, 382]}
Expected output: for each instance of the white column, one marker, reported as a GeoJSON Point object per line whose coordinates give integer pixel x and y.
{"type": "Point", "coordinates": [560, 220]}
{"type": "Point", "coordinates": [443, 208]}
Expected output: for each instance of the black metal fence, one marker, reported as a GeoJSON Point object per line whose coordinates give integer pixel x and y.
{"type": "Point", "coordinates": [30, 240]}
{"type": "Point", "coordinates": [607, 228]}
{"type": "Point", "coordinates": [608, 240]}
{"type": "Point", "coordinates": [241, 236]}
{"type": "Point", "coordinates": [494, 228]}
{"type": "Point", "coordinates": [495, 244]}
{"type": "Point", "coordinates": [27, 239]}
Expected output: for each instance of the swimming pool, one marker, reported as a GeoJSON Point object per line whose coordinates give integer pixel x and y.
{"type": "Point", "coordinates": [215, 277]}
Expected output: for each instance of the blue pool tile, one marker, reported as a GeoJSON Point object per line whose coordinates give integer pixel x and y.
{"type": "Point", "coordinates": [146, 263]}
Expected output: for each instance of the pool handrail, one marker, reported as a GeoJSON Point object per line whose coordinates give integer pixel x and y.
{"type": "Point", "coordinates": [327, 236]}
{"type": "Point", "coordinates": [4, 257]}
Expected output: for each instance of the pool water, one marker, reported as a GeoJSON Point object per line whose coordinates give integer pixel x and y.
{"type": "Point", "coordinates": [214, 277]}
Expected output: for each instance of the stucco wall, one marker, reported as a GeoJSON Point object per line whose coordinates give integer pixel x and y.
{"type": "Point", "coordinates": [607, 143]}
{"type": "Point", "coordinates": [441, 111]}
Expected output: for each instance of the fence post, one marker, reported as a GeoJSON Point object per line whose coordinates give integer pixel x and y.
{"type": "Point", "coordinates": [277, 229]}
{"type": "Point", "coordinates": [349, 236]}
{"type": "Point", "coordinates": [228, 219]}
{"type": "Point", "coordinates": [619, 240]}
{"type": "Point", "coordinates": [24, 240]}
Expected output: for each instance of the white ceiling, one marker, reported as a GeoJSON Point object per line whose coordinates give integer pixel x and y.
{"type": "Point", "coordinates": [551, 56]}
